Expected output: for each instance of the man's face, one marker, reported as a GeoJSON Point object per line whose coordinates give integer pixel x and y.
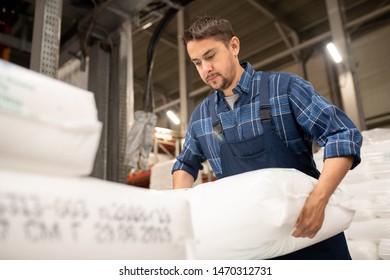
{"type": "Point", "coordinates": [214, 61]}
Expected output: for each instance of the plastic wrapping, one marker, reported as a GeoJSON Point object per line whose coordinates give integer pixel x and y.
{"type": "Point", "coordinates": [140, 141]}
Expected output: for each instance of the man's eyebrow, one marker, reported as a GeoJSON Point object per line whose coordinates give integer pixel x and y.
{"type": "Point", "coordinates": [205, 54]}
{"type": "Point", "coordinates": [208, 52]}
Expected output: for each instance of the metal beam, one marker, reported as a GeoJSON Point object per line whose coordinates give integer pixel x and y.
{"type": "Point", "coordinates": [282, 34]}
{"type": "Point", "coordinates": [15, 43]}
{"type": "Point", "coordinates": [163, 39]}
{"type": "Point", "coordinates": [279, 24]}
{"type": "Point", "coordinates": [267, 11]}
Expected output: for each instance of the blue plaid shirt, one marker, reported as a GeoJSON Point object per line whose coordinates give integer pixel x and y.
{"type": "Point", "coordinates": [300, 115]}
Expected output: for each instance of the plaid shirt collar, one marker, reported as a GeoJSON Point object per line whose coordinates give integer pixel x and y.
{"type": "Point", "coordinates": [244, 84]}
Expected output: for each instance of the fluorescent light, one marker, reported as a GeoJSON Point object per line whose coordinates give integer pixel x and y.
{"type": "Point", "coordinates": [334, 52]}
{"type": "Point", "coordinates": [173, 117]}
{"type": "Point", "coordinates": [147, 25]}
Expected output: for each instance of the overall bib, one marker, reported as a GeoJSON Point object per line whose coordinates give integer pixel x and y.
{"type": "Point", "coordinates": [269, 151]}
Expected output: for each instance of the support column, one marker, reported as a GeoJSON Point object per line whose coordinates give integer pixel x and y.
{"type": "Point", "coordinates": [182, 75]}
{"type": "Point", "coordinates": [46, 37]}
{"type": "Point", "coordinates": [121, 103]}
{"type": "Point", "coordinates": [98, 83]}
{"type": "Point", "coordinates": [348, 83]}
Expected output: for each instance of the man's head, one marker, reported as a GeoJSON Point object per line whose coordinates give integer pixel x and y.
{"type": "Point", "coordinates": [207, 27]}
{"type": "Point", "coordinates": [214, 49]}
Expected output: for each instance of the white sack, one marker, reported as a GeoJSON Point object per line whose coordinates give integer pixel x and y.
{"type": "Point", "coordinates": [373, 230]}
{"type": "Point", "coordinates": [252, 215]}
{"type": "Point", "coordinates": [384, 248]}
{"type": "Point", "coordinates": [376, 135]}
{"type": "Point", "coordinates": [46, 125]}
{"type": "Point", "coordinates": [43, 217]}
{"type": "Point", "coordinates": [161, 177]}
{"type": "Point", "coordinates": [363, 250]}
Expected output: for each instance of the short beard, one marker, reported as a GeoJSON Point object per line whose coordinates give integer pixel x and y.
{"type": "Point", "coordinates": [226, 83]}
{"type": "Point", "coordinates": [228, 79]}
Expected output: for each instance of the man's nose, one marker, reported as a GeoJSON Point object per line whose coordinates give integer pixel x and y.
{"type": "Point", "coordinates": [207, 67]}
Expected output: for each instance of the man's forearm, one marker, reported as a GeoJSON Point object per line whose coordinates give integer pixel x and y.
{"type": "Point", "coordinates": [182, 179]}
{"type": "Point", "coordinates": [332, 174]}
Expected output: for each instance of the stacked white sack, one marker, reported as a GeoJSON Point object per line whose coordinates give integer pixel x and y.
{"type": "Point", "coordinates": [161, 177]}
{"type": "Point", "coordinates": [49, 209]}
{"type": "Point", "coordinates": [46, 125]}
{"type": "Point", "coordinates": [52, 217]}
{"type": "Point", "coordinates": [369, 184]}
{"type": "Point", "coordinates": [252, 215]}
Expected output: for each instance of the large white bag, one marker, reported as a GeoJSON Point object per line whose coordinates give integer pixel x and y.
{"type": "Point", "coordinates": [51, 217]}
{"type": "Point", "coordinates": [47, 126]}
{"type": "Point", "coordinates": [252, 215]}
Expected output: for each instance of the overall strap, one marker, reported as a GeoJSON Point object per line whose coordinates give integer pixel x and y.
{"type": "Point", "coordinates": [265, 108]}
{"type": "Point", "coordinates": [217, 126]}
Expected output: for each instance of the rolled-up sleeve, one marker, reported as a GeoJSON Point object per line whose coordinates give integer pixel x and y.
{"type": "Point", "coordinates": [329, 126]}
{"type": "Point", "coordinates": [191, 157]}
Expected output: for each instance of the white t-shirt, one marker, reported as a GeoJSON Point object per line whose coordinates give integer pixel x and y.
{"type": "Point", "coordinates": [231, 100]}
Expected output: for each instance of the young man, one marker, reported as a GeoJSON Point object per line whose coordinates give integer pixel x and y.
{"type": "Point", "coordinates": [255, 120]}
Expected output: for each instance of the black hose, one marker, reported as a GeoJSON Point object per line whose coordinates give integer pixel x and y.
{"type": "Point", "coordinates": [148, 96]}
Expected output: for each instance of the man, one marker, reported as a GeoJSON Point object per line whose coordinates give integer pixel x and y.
{"type": "Point", "coordinates": [255, 120]}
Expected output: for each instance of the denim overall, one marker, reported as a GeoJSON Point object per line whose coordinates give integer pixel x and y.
{"type": "Point", "coordinates": [266, 151]}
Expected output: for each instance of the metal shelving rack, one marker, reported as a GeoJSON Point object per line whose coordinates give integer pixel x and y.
{"type": "Point", "coordinates": [45, 47]}
{"type": "Point", "coordinates": [110, 77]}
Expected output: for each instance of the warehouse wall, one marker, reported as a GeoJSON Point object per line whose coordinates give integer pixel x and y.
{"type": "Point", "coordinates": [373, 67]}
{"type": "Point", "coordinates": [316, 73]}
{"type": "Point", "coordinates": [372, 60]}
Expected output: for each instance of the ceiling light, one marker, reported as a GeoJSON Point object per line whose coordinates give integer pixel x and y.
{"type": "Point", "coordinates": [334, 52]}
{"type": "Point", "coordinates": [173, 117]}
{"type": "Point", "coordinates": [147, 25]}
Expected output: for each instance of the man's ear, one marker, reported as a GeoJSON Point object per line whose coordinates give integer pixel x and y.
{"type": "Point", "coordinates": [235, 45]}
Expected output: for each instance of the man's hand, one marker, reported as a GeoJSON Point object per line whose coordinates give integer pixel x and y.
{"type": "Point", "coordinates": [312, 216]}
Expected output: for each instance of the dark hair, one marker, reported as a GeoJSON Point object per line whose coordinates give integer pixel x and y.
{"type": "Point", "coordinates": [207, 27]}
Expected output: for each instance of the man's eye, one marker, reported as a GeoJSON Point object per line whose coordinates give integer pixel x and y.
{"type": "Point", "coordinates": [210, 56]}
{"type": "Point", "coordinates": [197, 63]}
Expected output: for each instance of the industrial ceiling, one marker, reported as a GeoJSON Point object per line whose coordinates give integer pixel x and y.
{"type": "Point", "coordinates": [273, 33]}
